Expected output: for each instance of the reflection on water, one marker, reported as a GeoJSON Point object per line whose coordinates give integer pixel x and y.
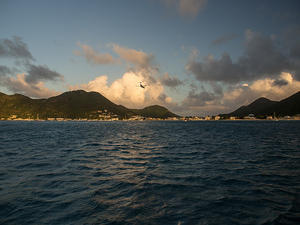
{"type": "Point", "coordinates": [149, 172]}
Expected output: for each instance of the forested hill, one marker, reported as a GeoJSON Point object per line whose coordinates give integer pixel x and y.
{"type": "Point", "coordinates": [73, 105]}
{"type": "Point", "coordinates": [264, 107]}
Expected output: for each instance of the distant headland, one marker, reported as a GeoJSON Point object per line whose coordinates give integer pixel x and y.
{"type": "Point", "coordinates": [263, 108]}
{"type": "Point", "coordinates": [74, 105]}
{"type": "Point", "coordinates": [92, 106]}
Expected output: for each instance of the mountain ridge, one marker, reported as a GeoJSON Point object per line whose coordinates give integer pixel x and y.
{"type": "Point", "coordinates": [263, 107]}
{"type": "Point", "coordinates": [74, 105]}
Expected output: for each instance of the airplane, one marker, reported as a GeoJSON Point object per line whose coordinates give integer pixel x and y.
{"type": "Point", "coordinates": [142, 85]}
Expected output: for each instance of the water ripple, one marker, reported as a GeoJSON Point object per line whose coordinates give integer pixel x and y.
{"type": "Point", "coordinates": [149, 173]}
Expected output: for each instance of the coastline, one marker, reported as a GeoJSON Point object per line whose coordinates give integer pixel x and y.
{"type": "Point", "coordinates": [147, 119]}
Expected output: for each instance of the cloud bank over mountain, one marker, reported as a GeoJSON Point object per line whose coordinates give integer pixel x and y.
{"type": "Point", "coordinates": [268, 67]}
{"type": "Point", "coordinates": [31, 82]}
{"type": "Point", "coordinates": [125, 90]}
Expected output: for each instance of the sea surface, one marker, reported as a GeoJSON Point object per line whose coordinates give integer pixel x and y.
{"type": "Point", "coordinates": [159, 172]}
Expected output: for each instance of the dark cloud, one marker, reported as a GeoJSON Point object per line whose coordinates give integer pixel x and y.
{"type": "Point", "coordinates": [262, 58]}
{"type": "Point", "coordinates": [34, 74]}
{"type": "Point", "coordinates": [170, 81]}
{"type": "Point", "coordinates": [41, 73]}
{"type": "Point", "coordinates": [292, 40]}
{"type": "Point", "coordinates": [280, 82]}
{"type": "Point", "coordinates": [292, 43]}
{"type": "Point", "coordinates": [223, 39]}
{"type": "Point", "coordinates": [198, 99]}
{"type": "Point", "coordinates": [14, 48]}
{"type": "Point", "coordinates": [4, 71]}
{"type": "Point", "coordinates": [162, 97]}
{"type": "Point", "coordinates": [19, 85]}
{"type": "Point", "coordinates": [217, 88]}
{"type": "Point", "coordinates": [28, 83]}
{"type": "Point", "coordinates": [216, 70]}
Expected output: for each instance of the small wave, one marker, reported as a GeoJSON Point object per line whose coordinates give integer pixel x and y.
{"type": "Point", "coordinates": [155, 173]}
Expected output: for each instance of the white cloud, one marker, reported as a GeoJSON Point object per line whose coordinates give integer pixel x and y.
{"type": "Point", "coordinates": [126, 90]}
{"type": "Point", "coordinates": [266, 87]}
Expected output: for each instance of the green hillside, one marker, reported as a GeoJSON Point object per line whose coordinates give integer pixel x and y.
{"type": "Point", "coordinates": [73, 105]}
{"type": "Point", "coordinates": [263, 107]}
{"type": "Point", "coordinates": [155, 111]}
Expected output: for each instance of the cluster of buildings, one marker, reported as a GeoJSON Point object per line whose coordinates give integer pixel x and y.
{"type": "Point", "coordinates": [104, 115]}
{"type": "Point", "coordinates": [249, 117]}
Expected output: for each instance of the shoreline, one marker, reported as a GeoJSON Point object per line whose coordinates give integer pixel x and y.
{"type": "Point", "coordinates": [146, 120]}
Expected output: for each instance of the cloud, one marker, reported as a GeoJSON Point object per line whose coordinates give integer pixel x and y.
{"type": "Point", "coordinates": [126, 91]}
{"type": "Point", "coordinates": [269, 67]}
{"type": "Point", "coordinates": [292, 44]}
{"type": "Point", "coordinates": [186, 8]}
{"type": "Point", "coordinates": [169, 81]}
{"type": "Point", "coordinates": [291, 37]}
{"type": "Point", "coordinates": [31, 82]}
{"type": "Point", "coordinates": [211, 69]}
{"type": "Point", "coordinates": [14, 48]}
{"type": "Point", "coordinates": [239, 96]}
{"type": "Point", "coordinates": [19, 85]}
{"type": "Point", "coordinates": [139, 59]}
{"type": "Point", "coordinates": [165, 99]}
{"type": "Point", "coordinates": [191, 7]}
{"type": "Point", "coordinates": [280, 82]}
{"type": "Point", "coordinates": [223, 39]}
{"type": "Point", "coordinates": [265, 87]}
{"type": "Point", "coordinates": [93, 56]}
{"type": "Point", "coordinates": [262, 58]}
{"type": "Point", "coordinates": [41, 73]}
{"type": "Point", "coordinates": [198, 99]}
{"type": "Point", "coordinates": [206, 102]}
{"type": "Point", "coordinates": [4, 71]}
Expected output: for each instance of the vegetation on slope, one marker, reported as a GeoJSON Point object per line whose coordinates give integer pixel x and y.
{"type": "Point", "coordinates": [263, 107]}
{"type": "Point", "coordinates": [73, 105]}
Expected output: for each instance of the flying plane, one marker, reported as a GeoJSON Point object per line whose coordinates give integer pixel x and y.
{"type": "Point", "coordinates": [141, 85]}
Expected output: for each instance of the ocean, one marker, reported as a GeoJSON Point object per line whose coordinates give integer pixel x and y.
{"type": "Point", "coordinates": [156, 172]}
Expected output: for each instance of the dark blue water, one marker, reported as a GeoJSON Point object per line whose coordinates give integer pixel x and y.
{"type": "Point", "coordinates": [150, 172]}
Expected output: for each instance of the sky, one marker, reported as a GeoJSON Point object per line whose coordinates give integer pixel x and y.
{"type": "Point", "coordinates": [195, 57]}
